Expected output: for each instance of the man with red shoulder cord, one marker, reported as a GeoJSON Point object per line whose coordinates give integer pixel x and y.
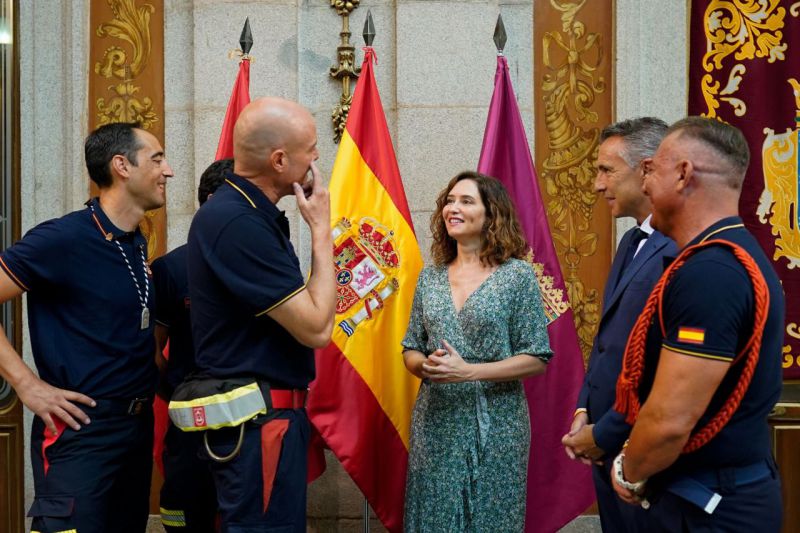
{"type": "Point", "coordinates": [703, 367]}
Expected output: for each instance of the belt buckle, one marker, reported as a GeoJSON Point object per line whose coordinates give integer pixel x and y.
{"type": "Point", "coordinates": [136, 406]}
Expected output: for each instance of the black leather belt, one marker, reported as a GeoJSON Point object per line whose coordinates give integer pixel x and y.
{"type": "Point", "coordinates": [132, 407]}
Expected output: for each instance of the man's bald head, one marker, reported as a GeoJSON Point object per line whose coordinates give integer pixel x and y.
{"type": "Point", "coordinates": [718, 150]}
{"type": "Point", "coordinates": [264, 126]}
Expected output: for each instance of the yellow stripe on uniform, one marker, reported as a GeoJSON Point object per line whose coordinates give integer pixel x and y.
{"type": "Point", "coordinates": [273, 306]}
{"type": "Point", "coordinates": [13, 276]}
{"type": "Point", "coordinates": [720, 230]}
{"type": "Point", "coordinates": [246, 197]}
{"type": "Point", "coordinates": [222, 397]}
{"type": "Point", "coordinates": [173, 518]}
{"type": "Point", "coordinates": [697, 354]}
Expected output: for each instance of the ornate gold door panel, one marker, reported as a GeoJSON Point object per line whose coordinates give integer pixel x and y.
{"type": "Point", "coordinates": [574, 100]}
{"type": "Point", "coordinates": [126, 79]}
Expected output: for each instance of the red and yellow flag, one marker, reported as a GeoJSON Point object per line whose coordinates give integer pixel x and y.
{"type": "Point", "coordinates": [362, 398]}
{"type": "Point", "coordinates": [240, 97]}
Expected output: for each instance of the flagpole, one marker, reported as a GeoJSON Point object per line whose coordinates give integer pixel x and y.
{"type": "Point", "coordinates": [240, 96]}
{"type": "Point", "coordinates": [369, 35]}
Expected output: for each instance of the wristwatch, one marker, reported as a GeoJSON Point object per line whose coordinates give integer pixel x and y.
{"type": "Point", "coordinates": [620, 477]}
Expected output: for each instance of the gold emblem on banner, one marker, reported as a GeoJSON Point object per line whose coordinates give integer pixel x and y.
{"type": "Point", "coordinates": [572, 57]}
{"type": "Point", "coordinates": [748, 29]}
{"type": "Point", "coordinates": [779, 202]}
{"type": "Point", "coordinates": [788, 359]}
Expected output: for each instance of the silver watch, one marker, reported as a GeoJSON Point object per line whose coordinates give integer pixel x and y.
{"type": "Point", "coordinates": [620, 477]}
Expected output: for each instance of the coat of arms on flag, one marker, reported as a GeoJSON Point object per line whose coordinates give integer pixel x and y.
{"type": "Point", "coordinates": [366, 263]}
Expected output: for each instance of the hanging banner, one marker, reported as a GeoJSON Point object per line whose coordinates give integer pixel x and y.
{"type": "Point", "coordinates": [744, 69]}
{"type": "Point", "coordinates": [573, 96]}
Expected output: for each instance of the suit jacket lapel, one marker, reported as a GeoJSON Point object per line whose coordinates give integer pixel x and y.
{"type": "Point", "coordinates": [616, 266]}
{"type": "Point", "coordinates": [652, 245]}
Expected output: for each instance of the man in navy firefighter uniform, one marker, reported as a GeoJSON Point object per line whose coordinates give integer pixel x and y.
{"type": "Point", "coordinates": [188, 499]}
{"type": "Point", "coordinates": [254, 315]}
{"type": "Point", "coordinates": [89, 305]}
{"type": "Point", "coordinates": [703, 368]}
{"type": "Point", "coordinates": [598, 432]}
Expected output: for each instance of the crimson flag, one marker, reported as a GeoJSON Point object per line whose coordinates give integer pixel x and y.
{"type": "Point", "coordinates": [559, 489]}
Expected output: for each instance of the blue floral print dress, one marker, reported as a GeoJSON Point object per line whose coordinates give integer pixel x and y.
{"type": "Point", "coordinates": [469, 446]}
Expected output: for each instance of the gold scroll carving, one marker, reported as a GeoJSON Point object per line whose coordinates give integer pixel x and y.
{"type": "Point", "coordinates": [748, 29]}
{"type": "Point", "coordinates": [573, 73]}
{"type": "Point", "coordinates": [126, 80]}
{"type": "Point", "coordinates": [753, 30]}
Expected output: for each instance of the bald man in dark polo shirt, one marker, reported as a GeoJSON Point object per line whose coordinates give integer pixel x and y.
{"type": "Point", "coordinates": [89, 304]}
{"type": "Point", "coordinates": [255, 315]}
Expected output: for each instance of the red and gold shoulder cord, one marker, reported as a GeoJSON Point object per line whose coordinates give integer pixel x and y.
{"type": "Point", "coordinates": [627, 401]}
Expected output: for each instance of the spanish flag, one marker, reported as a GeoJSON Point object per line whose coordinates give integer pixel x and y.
{"type": "Point", "coordinates": [362, 398]}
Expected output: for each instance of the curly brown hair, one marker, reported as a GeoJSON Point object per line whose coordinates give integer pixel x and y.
{"type": "Point", "coordinates": [502, 235]}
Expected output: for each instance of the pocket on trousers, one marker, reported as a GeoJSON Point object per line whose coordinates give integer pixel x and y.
{"type": "Point", "coordinates": [271, 443]}
{"type": "Point", "coordinates": [52, 507]}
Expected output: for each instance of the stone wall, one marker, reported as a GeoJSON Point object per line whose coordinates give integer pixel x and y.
{"type": "Point", "coordinates": [436, 64]}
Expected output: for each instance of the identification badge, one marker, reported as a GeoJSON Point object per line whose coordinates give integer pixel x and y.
{"type": "Point", "coordinates": [145, 318]}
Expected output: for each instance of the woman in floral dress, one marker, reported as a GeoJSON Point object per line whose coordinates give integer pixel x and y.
{"type": "Point", "coordinates": [477, 328]}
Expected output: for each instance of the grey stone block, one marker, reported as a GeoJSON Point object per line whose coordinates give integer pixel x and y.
{"type": "Point", "coordinates": [446, 56]}
{"type": "Point", "coordinates": [217, 27]}
{"type": "Point", "coordinates": [583, 524]}
{"type": "Point", "coordinates": [433, 145]}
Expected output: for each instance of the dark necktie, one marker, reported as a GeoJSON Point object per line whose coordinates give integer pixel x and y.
{"type": "Point", "coordinates": [637, 236]}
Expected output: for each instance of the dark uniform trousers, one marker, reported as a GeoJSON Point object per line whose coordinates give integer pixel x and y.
{"type": "Point", "coordinates": [263, 488]}
{"type": "Point", "coordinates": [96, 479]}
{"type": "Point", "coordinates": [188, 499]}
{"type": "Point", "coordinates": [750, 503]}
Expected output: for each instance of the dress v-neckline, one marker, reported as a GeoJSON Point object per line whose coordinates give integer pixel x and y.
{"type": "Point", "coordinates": [470, 295]}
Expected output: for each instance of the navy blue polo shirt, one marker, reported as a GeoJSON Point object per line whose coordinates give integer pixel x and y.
{"type": "Point", "coordinates": [241, 265]}
{"type": "Point", "coordinates": [708, 312]}
{"type": "Point", "coordinates": [172, 311]}
{"type": "Point", "coordinates": [84, 311]}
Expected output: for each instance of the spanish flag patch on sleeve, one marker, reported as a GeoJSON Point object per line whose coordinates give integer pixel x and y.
{"type": "Point", "coordinates": [691, 335]}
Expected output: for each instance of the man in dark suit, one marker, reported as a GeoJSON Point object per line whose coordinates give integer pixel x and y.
{"type": "Point", "coordinates": [598, 432]}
